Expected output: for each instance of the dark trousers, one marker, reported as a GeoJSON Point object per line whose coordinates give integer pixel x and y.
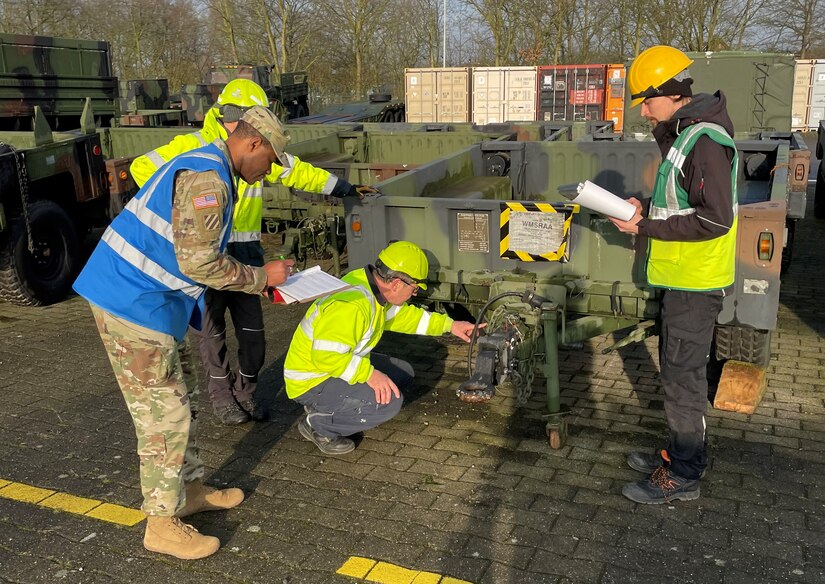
{"type": "Point", "coordinates": [340, 409]}
{"type": "Point", "coordinates": [687, 323]}
{"type": "Point", "coordinates": [223, 385]}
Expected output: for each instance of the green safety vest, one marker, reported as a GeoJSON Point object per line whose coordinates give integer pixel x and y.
{"type": "Point", "coordinates": [338, 332]}
{"type": "Point", "coordinates": [246, 224]}
{"type": "Point", "coordinates": [690, 265]}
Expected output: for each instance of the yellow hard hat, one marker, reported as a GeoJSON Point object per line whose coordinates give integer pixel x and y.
{"type": "Point", "coordinates": [407, 258]}
{"type": "Point", "coordinates": [653, 68]}
{"type": "Point", "coordinates": [242, 93]}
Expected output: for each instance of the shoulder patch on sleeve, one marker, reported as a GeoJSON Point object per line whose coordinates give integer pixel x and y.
{"type": "Point", "coordinates": [205, 201]}
{"type": "Point", "coordinates": [211, 221]}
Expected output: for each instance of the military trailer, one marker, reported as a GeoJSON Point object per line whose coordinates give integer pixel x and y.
{"type": "Point", "coordinates": [53, 187]}
{"type": "Point", "coordinates": [380, 107]}
{"type": "Point", "coordinates": [57, 75]}
{"type": "Point", "coordinates": [542, 272]}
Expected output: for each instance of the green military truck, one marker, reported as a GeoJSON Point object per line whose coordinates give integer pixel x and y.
{"type": "Point", "coordinates": [288, 92]}
{"type": "Point", "coordinates": [57, 75]}
{"type": "Point", "coordinates": [53, 187]}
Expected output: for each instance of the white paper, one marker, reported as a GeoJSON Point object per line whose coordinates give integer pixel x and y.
{"type": "Point", "coordinates": [603, 201]}
{"type": "Point", "coordinates": [309, 285]}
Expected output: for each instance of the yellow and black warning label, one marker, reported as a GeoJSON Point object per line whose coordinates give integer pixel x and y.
{"type": "Point", "coordinates": [536, 232]}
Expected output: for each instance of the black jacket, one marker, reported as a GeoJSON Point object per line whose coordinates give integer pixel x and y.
{"type": "Point", "coordinates": [706, 174]}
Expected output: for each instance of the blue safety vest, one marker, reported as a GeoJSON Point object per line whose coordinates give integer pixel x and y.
{"type": "Point", "coordinates": [133, 272]}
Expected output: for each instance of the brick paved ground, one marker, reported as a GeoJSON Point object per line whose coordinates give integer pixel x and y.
{"type": "Point", "coordinates": [467, 491]}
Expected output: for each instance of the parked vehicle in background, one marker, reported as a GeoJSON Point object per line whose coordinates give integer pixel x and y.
{"type": "Point", "coordinates": [53, 187]}
{"type": "Point", "coordinates": [57, 75]}
{"type": "Point", "coordinates": [288, 92]}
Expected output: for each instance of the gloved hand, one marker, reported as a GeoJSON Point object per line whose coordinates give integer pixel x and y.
{"type": "Point", "coordinates": [360, 190]}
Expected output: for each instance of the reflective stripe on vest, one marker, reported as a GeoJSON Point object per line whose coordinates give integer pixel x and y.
{"type": "Point", "coordinates": [361, 349]}
{"type": "Point", "coordinates": [137, 254]}
{"type": "Point", "coordinates": [139, 206]}
{"type": "Point", "coordinates": [690, 265]}
{"type": "Point", "coordinates": [248, 213]}
{"type": "Point", "coordinates": [158, 160]}
{"type": "Point", "coordinates": [152, 269]}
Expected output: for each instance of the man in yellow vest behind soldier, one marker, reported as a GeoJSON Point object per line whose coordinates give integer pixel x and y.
{"type": "Point", "coordinates": [691, 224]}
{"type": "Point", "coordinates": [233, 395]}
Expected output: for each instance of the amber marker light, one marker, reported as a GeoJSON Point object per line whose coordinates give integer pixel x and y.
{"type": "Point", "coordinates": [764, 248]}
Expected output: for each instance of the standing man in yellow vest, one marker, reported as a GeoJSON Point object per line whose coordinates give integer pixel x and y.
{"type": "Point", "coordinates": [233, 396]}
{"type": "Point", "coordinates": [690, 224]}
{"type": "Point", "coordinates": [330, 368]}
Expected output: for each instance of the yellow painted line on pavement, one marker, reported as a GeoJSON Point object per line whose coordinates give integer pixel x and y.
{"type": "Point", "coordinates": [70, 503]}
{"type": "Point", "coordinates": [386, 573]}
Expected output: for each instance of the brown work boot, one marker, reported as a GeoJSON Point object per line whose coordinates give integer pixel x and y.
{"type": "Point", "coordinates": [199, 498]}
{"type": "Point", "coordinates": [169, 535]}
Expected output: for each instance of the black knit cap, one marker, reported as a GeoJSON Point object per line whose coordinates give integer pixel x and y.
{"type": "Point", "coordinates": [676, 85]}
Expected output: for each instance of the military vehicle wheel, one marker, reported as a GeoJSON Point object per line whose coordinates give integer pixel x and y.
{"type": "Point", "coordinates": [45, 276]}
{"type": "Point", "coordinates": [742, 344]}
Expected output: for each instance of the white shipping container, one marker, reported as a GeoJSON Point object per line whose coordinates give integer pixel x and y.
{"type": "Point", "coordinates": [816, 112]}
{"type": "Point", "coordinates": [437, 95]}
{"type": "Point", "coordinates": [502, 94]}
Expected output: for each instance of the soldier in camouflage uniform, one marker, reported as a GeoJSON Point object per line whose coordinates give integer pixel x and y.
{"type": "Point", "coordinates": [145, 282]}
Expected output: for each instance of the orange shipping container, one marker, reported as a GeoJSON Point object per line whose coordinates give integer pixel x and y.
{"type": "Point", "coordinates": [614, 100]}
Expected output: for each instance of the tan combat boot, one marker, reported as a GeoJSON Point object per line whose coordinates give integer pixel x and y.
{"type": "Point", "coordinates": [199, 498]}
{"type": "Point", "coordinates": [169, 535]}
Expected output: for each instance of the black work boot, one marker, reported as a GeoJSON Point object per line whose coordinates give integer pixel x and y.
{"type": "Point", "coordinates": [662, 486]}
{"type": "Point", "coordinates": [326, 445]}
{"type": "Point", "coordinates": [231, 414]}
{"type": "Point", "coordinates": [647, 462]}
{"type": "Point", "coordinates": [255, 410]}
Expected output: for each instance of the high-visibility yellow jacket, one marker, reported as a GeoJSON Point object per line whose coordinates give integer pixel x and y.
{"type": "Point", "coordinates": [338, 332]}
{"type": "Point", "coordinates": [248, 215]}
{"type": "Point", "coordinates": [691, 265]}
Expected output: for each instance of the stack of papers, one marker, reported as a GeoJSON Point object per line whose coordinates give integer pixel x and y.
{"type": "Point", "coordinates": [310, 284]}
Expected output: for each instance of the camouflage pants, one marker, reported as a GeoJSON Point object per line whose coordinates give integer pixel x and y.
{"type": "Point", "coordinates": [159, 383]}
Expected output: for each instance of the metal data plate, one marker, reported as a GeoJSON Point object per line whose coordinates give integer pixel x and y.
{"type": "Point", "coordinates": [473, 232]}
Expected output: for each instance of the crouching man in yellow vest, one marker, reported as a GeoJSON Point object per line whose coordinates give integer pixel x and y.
{"type": "Point", "coordinates": [233, 396]}
{"type": "Point", "coordinates": [691, 229]}
{"type": "Point", "coordinates": [330, 369]}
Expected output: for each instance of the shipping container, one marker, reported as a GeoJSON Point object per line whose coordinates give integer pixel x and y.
{"type": "Point", "coordinates": [571, 92]}
{"type": "Point", "coordinates": [437, 95]}
{"type": "Point", "coordinates": [614, 95]}
{"type": "Point", "coordinates": [803, 71]}
{"type": "Point", "coordinates": [502, 94]}
{"type": "Point", "coordinates": [816, 112]}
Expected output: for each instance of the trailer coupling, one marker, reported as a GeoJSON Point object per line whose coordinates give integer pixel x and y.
{"type": "Point", "coordinates": [507, 351]}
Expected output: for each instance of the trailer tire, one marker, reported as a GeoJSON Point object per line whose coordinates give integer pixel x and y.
{"type": "Point", "coordinates": [46, 276]}
{"type": "Point", "coordinates": [743, 344]}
